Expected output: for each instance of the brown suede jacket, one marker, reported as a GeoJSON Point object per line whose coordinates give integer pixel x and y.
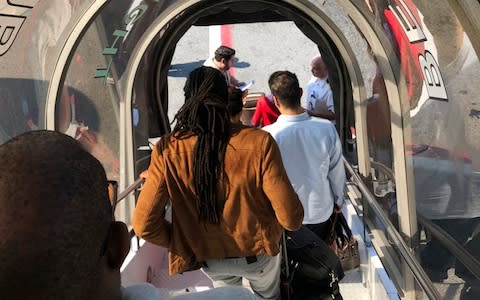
{"type": "Point", "coordinates": [260, 202]}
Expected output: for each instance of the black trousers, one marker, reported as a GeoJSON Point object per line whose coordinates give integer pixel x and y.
{"type": "Point", "coordinates": [323, 229]}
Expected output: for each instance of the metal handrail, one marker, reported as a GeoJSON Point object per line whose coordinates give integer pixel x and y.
{"type": "Point", "coordinates": [396, 238]}
{"type": "Point", "coordinates": [383, 168]}
{"type": "Point", "coordinates": [472, 264]}
{"type": "Point", "coordinates": [135, 185]}
{"type": "Point", "coordinates": [466, 258]}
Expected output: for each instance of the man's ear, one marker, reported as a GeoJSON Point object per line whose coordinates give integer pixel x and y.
{"type": "Point", "coordinates": [276, 101]}
{"type": "Point", "coordinates": [301, 92]}
{"type": "Point", "coordinates": [118, 245]}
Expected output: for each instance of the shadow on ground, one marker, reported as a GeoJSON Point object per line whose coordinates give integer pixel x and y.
{"type": "Point", "coordinates": [183, 69]}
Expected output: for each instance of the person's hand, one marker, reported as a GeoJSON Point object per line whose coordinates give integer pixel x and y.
{"type": "Point", "coordinates": [321, 107]}
{"type": "Point", "coordinates": [144, 174]}
{"type": "Point", "coordinates": [87, 138]}
{"type": "Point", "coordinates": [94, 143]}
{"type": "Point", "coordinates": [327, 115]}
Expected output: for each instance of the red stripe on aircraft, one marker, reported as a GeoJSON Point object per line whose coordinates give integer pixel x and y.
{"type": "Point", "coordinates": [226, 39]}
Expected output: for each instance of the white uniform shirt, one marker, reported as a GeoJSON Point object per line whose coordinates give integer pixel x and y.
{"type": "Point", "coordinates": [319, 95]}
{"type": "Point", "coordinates": [312, 155]}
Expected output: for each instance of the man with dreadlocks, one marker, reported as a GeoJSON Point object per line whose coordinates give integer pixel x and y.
{"type": "Point", "coordinates": [228, 190]}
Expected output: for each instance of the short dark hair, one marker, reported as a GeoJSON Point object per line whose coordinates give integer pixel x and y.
{"type": "Point", "coordinates": [54, 217]}
{"type": "Point", "coordinates": [284, 85]}
{"type": "Point", "coordinates": [224, 52]}
{"type": "Point", "coordinates": [235, 101]}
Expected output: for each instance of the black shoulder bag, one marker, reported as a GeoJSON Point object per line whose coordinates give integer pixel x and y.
{"type": "Point", "coordinates": [315, 269]}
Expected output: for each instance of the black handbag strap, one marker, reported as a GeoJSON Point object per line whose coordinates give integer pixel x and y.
{"type": "Point", "coordinates": [333, 228]}
{"type": "Point", "coordinates": [334, 222]}
{"type": "Point", "coordinates": [343, 222]}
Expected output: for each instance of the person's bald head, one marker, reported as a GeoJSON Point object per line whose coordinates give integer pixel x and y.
{"type": "Point", "coordinates": [318, 67]}
{"type": "Point", "coordinates": [54, 217]}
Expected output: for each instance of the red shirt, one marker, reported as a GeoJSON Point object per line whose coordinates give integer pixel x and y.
{"type": "Point", "coordinates": [266, 112]}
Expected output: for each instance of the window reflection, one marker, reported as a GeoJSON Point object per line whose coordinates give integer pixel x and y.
{"type": "Point", "coordinates": [78, 117]}
{"type": "Point", "coordinates": [441, 72]}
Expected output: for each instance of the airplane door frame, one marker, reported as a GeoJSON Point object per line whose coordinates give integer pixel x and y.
{"type": "Point", "coordinates": [399, 111]}
{"type": "Point", "coordinates": [308, 9]}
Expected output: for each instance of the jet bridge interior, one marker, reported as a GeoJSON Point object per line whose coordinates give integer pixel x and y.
{"type": "Point", "coordinates": [98, 70]}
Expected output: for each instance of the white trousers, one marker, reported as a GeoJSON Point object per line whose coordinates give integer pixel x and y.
{"type": "Point", "coordinates": [263, 275]}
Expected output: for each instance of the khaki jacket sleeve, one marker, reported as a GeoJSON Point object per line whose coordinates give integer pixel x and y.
{"type": "Point", "coordinates": [278, 189]}
{"type": "Point", "coordinates": [149, 215]}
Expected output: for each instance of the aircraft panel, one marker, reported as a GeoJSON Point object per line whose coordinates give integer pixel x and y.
{"type": "Point", "coordinates": [440, 72]}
